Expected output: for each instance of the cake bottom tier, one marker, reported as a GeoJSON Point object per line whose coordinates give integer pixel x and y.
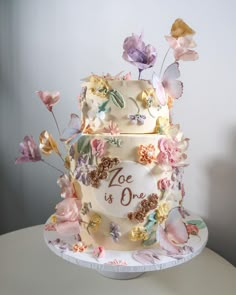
{"type": "Point", "coordinates": [127, 194]}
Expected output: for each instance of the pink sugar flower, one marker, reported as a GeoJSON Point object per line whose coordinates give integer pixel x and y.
{"type": "Point", "coordinates": [98, 147]}
{"type": "Point", "coordinates": [67, 188]}
{"type": "Point", "coordinates": [172, 152]}
{"type": "Point", "coordinates": [49, 98]}
{"type": "Point", "coordinates": [163, 183]}
{"type": "Point", "coordinates": [182, 48]}
{"type": "Point", "coordinates": [68, 216]}
{"type": "Point", "coordinates": [29, 151]}
{"type": "Point", "coordinates": [113, 128]}
{"type": "Point", "coordinates": [99, 252]}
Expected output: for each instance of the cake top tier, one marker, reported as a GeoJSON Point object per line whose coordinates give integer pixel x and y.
{"type": "Point", "coordinates": [121, 105]}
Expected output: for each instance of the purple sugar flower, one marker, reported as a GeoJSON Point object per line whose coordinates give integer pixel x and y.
{"type": "Point", "coordinates": [137, 119]}
{"type": "Point", "coordinates": [29, 151]}
{"type": "Point", "coordinates": [82, 169]}
{"type": "Point", "coordinates": [137, 53]}
{"type": "Point", "coordinates": [115, 231]}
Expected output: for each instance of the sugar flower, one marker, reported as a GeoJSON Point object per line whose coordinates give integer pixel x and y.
{"type": "Point", "coordinates": [181, 29]}
{"type": "Point", "coordinates": [115, 231]}
{"type": "Point", "coordinates": [138, 233]}
{"type": "Point", "coordinates": [67, 188]}
{"type": "Point", "coordinates": [98, 86]}
{"type": "Point", "coordinates": [99, 252]}
{"type": "Point", "coordinates": [146, 153]}
{"type": "Point", "coordinates": [47, 143]}
{"type": "Point", "coordinates": [98, 147]}
{"type": "Point", "coordinates": [49, 98]}
{"type": "Point", "coordinates": [181, 41]}
{"type": "Point", "coordinates": [112, 128]}
{"type": "Point", "coordinates": [137, 53]}
{"type": "Point", "coordinates": [148, 97]}
{"type": "Point", "coordinates": [83, 168]}
{"type": "Point", "coordinates": [79, 247]}
{"type": "Point", "coordinates": [172, 152]}
{"type": "Point", "coordinates": [182, 48]}
{"type": "Point", "coordinates": [163, 183]}
{"type": "Point", "coordinates": [29, 151]}
{"type": "Point", "coordinates": [68, 216]}
{"type": "Point", "coordinates": [162, 212]}
{"type": "Point", "coordinates": [137, 119]}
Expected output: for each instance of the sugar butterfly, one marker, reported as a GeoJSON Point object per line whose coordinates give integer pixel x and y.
{"type": "Point", "coordinates": [74, 130]}
{"type": "Point", "coordinates": [174, 233]}
{"type": "Point", "coordinates": [168, 85]}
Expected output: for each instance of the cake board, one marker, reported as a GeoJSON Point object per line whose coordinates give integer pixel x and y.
{"type": "Point", "coordinates": [124, 265]}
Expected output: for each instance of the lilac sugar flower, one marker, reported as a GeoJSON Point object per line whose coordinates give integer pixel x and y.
{"type": "Point", "coordinates": [82, 169]}
{"type": "Point", "coordinates": [137, 53]}
{"type": "Point", "coordinates": [115, 231]}
{"type": "Point", "coordinates": [137, 119]}
{"type": "Point", "coordinates": [29, 151]}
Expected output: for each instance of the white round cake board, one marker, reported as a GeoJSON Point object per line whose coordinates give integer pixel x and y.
{"type": "Point", "coordinates": [121, 264]}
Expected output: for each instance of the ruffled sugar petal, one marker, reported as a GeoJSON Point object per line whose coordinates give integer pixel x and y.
{"type": "Point", "coordinates": [180, 28]}
{"type": "Point", "coordinates": [47, 143]}
{"type": "Point", "coordinates": [49, 98]}
{"type": "Point", "coordinates": [136, 53]}
{"type": "Point", "coordinates": [29, 151]}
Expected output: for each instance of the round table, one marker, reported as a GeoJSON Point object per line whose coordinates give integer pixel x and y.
{"type": "Point", "coordinates": [27, 266]}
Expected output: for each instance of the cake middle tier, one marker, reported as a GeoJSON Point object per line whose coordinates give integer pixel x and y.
{"type": "Point", "coordinates": [131, 106]}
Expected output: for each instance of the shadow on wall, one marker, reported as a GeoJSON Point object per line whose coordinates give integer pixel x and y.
{"type": "Point", "coordinates": [222, 207]}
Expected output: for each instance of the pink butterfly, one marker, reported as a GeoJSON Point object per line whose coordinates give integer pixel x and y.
{"type": "Point", "coordinates": [73, 132]}
{"type": "Point", "coordinates": [174, 233]}
{"type": "Point", "coordinates": [168, 85]}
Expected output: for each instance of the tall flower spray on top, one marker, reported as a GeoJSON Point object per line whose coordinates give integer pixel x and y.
{"type": "Point", "coordinates": [167, 86]}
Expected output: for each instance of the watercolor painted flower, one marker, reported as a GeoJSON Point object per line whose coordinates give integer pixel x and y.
{"type": "Point", "coordinates": [67, 188]}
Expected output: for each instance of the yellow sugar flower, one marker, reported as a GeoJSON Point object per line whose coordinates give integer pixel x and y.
{"type": "Point", "coordinates": [98, 86]}
{"type": "Point", "coordinates": [162, 125]}
{"type": "Point", "coordinates": [162, 212]}
{"type": "Point", "coordinates": [138, 233]}
{"type": "Point", "coordinates": [148, 97]}
{"type": "Point", "coordinates": [181, 29]}
{"type": "Point", "coordinates": [94, 223]}
{"type": "Point", "coordinates": [54, 218]}
{"type": "Point", "coordinates": [47, 143]}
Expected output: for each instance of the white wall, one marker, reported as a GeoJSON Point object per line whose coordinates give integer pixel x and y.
{"type": "Point", "coordinates": [53, 44]}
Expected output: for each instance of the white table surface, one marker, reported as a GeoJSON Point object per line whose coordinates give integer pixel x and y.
{"type": "Point", "coordinates": [27, 266]}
